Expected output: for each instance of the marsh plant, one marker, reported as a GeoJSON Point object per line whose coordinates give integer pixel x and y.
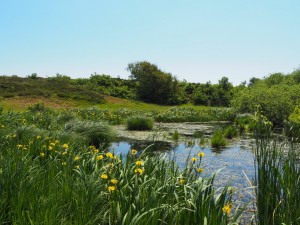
{"type": "Point", "coordinates": [139, 123]}
{"type": "Point", "coordinates": [175, 135]}
{"type": "Point", "coordinates": [47, 177]}
{"type": "Point", "coordinates": [277, 178]}
{"type": "Point", "coordinates": [218, 140]}
{"type": "Point", "coordinates": [230, 132]}
{"type": "Point", "coordinates": [95, 133]}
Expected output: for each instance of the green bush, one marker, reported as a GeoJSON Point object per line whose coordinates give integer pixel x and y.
{"type": "Point", "coordinates": [139, 123]}
{"type": "Point", "coordinates": [217, 140]}
{"type": "Point", "coordinates": [275, 102]}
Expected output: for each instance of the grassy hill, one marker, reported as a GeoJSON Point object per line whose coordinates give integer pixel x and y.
{"type": "Point", "coordinates": [18, 94]}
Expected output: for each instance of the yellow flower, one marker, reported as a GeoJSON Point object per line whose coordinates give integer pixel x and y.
{"type": "Point", "coordinates": [104, 176]}
{"type": "Point", "coordinates": [95, 151]}
{"type": "Point", "coordinates": [109, 155]}
{"type": "Point", "coordinates": [201, 154]}
{"type": "Point", "coordinates": [200, 170]}
{"type": "Point", "coordinates": [64, 163]}
{"type": "Point", "coordinates": [138, 163]}
{"type": "Point", "coordinates": [52, 144]}
{"type": "Point", "coordinates": [64, 153]}
{"type": "Point", "coordinates": [76, 158]}
{"type": "Point", "coordinates": [38, 137]}
{"type": "Point", "coordinates": [76, 167]}
{"type": "Point", "coordinates": [227, 208]}
{"type": "Point", "coordinates": [111, 188]}
{"type": "Point", "coordinates": [134, 152]}
{"type": "Point", "coordinates": [50, 148]}
{"type": "Point", "coordinates": [194, 159]}
{"type": "Point", "coordinates": [65, 146]}
{"type": "Point", "coordinates": [42, 154]}
{"type": "Point", "coordinates": [56, 141]}
{"type": "Point", "coordinates": [139, 171]}
{"type": "Point", "coordinates": [113, 181]}
{"type": "Point", "coordinates": [181, 181]}
{"type": "Point", "coordinates": [99, 157]}
{"type": "Point", "coordinates": [19, 146]}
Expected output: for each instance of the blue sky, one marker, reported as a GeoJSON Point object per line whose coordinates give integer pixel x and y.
{"type": "Point", "coordinates": [195, 40]}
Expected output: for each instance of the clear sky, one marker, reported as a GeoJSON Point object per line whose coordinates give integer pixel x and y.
{"type": "Point", "coordinates": [195, 40]}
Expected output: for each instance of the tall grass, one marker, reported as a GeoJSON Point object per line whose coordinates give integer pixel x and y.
{"type": "Point", "coordinates": [218, 140]}
{"type": "Point", "coordinates": [139, 123]}
{"type": "Point", "coordinates": [277, 179]}
{"type": "Point", "coordinates": [45, 178]}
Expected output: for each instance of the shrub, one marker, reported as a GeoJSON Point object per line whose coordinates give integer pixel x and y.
{"type": "Point", "coordinates": [139, 123]}
{"type": "Point", "coordinates": [275, 102]}
{"type": "Point", "coordinates": [217, 140]}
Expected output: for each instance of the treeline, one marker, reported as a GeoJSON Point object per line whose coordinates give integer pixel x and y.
{"type": "Point", "coordinates": [148, 83]}
{"type": "Point", "coordinates": [275, 96]}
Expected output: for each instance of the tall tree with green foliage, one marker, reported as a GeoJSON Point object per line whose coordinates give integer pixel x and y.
{"type": "Point", "coordinates": [154, 85]}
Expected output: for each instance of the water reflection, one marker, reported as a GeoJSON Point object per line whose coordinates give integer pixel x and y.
{"type": "Point", "coordinates": [236, 162]}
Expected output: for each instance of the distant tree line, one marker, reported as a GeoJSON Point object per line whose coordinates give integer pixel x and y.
{"type": "Point", "coordinates": [275, 96]}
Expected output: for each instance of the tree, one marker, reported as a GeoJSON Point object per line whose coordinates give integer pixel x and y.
{"type": "Point", "coordinates": [154, 85]}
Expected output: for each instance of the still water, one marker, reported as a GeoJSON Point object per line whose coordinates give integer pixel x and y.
{"type": "Point", "coordinates": [235, 161]}
{"type": "Point", "coordinates": [235, 164]}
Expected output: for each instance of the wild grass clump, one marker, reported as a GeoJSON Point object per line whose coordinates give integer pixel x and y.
{"type": "Point", "coordinates": [37, 107]}
{"type": "Point", "coordinates": [277, 181]}
{"type": "Point", "coordinates": [277, 178]}
{"type": "Point", "coordinates": [230, 132]}
{"type": "Point", "coordinates": [95, 133]}
{"type": "Point", "coordinates": [139, 123]}
{"type": "Point", "coordinates": [218, 140]}
{"type": "Point", "coordinates": [175, 135]}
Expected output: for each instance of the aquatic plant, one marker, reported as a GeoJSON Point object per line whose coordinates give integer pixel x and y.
{"type": "Point", "coordinates": [139, 123]}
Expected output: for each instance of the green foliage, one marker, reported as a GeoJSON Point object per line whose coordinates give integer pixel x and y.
{"type": "Point", "coordinates": [230, 132]}
{"type": "Point", "coordinates": [244, 122]}
{"type": "Point", "coordinates": [214, 95]}
{"type": "Point", "coordinates": [139, 123]}
{"type": "Point", "coordinates": [275, 102]}
{"type": "Point", "coordinates": [154, 85]}
{"type": "Point", "coordinates": [277, 183]}
{"type": "Point", "coordinates": [198, 134]}
{"type": "Point", "coordinates": [175, 135]}
{"type": "Point", "coordinates": [37, 107]}
{"type": "Point", "coordinates": [292, 126]}
{"type": "Point", "coordinates": [59, 86]}
{"type": "Point", "coordinates": [50, 175]}
{"type": "Point", "coordinates": [178, 114]}
{"type": "Point", "coordinates": [95, 133]}
{"type": "Point", "coordinates": [217, 140]}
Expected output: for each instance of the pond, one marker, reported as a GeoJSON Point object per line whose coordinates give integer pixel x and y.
{"type": "Point", "coordinates": [235, 161]}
